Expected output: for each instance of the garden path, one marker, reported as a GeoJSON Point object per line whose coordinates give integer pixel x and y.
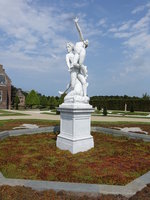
{"type": "Point", "coordinates": [38, 115]}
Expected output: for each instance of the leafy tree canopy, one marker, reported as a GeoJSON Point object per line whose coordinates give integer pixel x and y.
{"type": "Point", "coordinates": [32, 99]}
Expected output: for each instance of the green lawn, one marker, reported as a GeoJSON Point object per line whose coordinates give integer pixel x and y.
{"type": "Point", "coordinates": [47, 113]}
{"type": "Point", "coordinates": [118, 123]}
{"type": "Point", "coordinates": [130, 113]}
{"type": "Point", "coordinates": [9, 113]}
{"type": "Point", "coordinates": [121, 113]}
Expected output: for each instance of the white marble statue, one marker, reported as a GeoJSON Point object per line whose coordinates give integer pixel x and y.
{"type": "Point", "coordinates": [78, 72]}
{"type": "Point", "coordinates": [75, 112]}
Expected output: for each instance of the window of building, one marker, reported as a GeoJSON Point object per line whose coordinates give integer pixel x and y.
{"type": "Point", "coordinates": [0, 95]}
{"type": "Point", "coordinates": [2, 79]}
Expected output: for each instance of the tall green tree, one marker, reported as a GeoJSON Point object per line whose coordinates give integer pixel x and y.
{"type": "Point", "coordinates": [17, 101]}
{"type": "Point", "coordinates": [105, 111]}
{"type": "Point", "coordinates": [132, 108]}
{"type": "Point", "coordinates": [145, 96]}
{"type": "Point", "coordinates": [52, 102]}
{"type": "Point", "coordinates": [43, 101]}
{"type": "Point", "coordinates": [32, 99]}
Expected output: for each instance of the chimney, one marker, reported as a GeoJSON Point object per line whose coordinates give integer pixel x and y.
{"type": "Point", "coordinates": [1, 69]}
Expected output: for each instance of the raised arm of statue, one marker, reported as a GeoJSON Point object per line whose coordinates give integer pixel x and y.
{"type": "Point", "coordinates": [79, 29]}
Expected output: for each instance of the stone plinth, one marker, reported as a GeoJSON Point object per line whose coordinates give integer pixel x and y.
{"type": "Point", "coordinates": [75, 127]}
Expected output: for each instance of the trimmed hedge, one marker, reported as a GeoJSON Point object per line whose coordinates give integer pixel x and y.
{"type": "Point", "coordinates": [119, 104]}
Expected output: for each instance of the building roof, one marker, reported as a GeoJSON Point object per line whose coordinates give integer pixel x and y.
{"type": "Point", "coordinates": [3, 75]}
{"type": "Point", "coordinates": [19, 93]}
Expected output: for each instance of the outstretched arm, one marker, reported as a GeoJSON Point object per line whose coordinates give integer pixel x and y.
{"type": "Point", "coordinates": [78, 29]}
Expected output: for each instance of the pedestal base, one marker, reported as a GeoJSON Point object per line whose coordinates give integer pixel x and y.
{"type": "Point", "coordinates": [75, 146]}
{"type": "Point", "coordinates": [75, 127]}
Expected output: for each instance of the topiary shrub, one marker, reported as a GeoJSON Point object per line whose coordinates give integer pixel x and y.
{"type": "Point", "coordinates": [132, 108]}
{"type": "Point", "coordinates": [105, 111]}
{"type": "Point", "coordinates": [57, 112]}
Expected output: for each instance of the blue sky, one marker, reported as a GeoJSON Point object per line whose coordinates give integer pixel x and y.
{"type": "Point", "coordinates": [33, 36]}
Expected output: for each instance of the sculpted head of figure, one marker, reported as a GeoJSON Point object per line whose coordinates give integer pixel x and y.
{"type": "Point", "coordinates": [86, 43]}
{"type": "Point", "coordinates": [70, 47]}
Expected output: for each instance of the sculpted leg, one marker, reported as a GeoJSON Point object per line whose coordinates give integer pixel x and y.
{"type": "Point", "coordinates": [84, 84]}
{"type": "Point", "coordinates": [82, 56]}
{"type": "Point", "coordinates": [84, 71]}
{"type": "Point", "coordinates": [73, 79]}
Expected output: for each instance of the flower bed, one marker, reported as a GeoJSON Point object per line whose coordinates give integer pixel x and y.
{"type": "Point", "coordinates": [113, 160]}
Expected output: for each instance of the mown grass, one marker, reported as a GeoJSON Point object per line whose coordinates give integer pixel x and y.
{"type": "Point", "coordinates": [46, 113]}
{"type": "Point", "coordinates": [113, 160]}
{"type": "Point", "coordinates": [121, 113]}
{"type": "Point", "coordinates": [130, 113]}
{"type": "Point", "coordinates": [9, 113]}
{"type": "Point", "coordinates": [109, 123]}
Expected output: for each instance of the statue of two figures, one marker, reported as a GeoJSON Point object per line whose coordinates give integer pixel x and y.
{"type": "Point", "coordinates": [78, 71]}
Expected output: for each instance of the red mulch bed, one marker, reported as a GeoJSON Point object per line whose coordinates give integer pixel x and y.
{"type": "Point", "coordinates": [10, 124]}
{"type": "Point", "coordinates": [113, 160]}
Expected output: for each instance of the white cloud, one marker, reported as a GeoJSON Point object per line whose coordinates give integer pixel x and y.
{"type": "Point", "coordinates": [140, 8]}
{"type": "Point", "coordinates": [81, 4]}
{"type": "Point", "coordinates": [139, 41]}
{"type": "Point", "coordinates": [35, 37]}
{"type": "Point", "coordinates": [122, 35]}
{"type": "Point", "coordinates": [143, 22]}
{"type": "Point", "coordinates": [113, 29]}
{"type": "Point", "coordinates": [102, 22]}
{"type": "Point", "coordinates": [27, 26]}
{"type": "Point", "coordinates": [125, 26]}
{"type": "Point", "coordinates": [135, 37]}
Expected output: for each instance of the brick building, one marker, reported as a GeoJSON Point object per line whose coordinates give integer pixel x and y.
{"type": "Point", "coordinates": [5, 89]}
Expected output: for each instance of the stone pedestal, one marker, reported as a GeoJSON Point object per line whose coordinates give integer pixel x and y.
{"type": "Point", "coordinates": [75, 127]}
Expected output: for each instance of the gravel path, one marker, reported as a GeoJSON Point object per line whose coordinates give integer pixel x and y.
{"type": "Point", "coordinates": [38, 115]}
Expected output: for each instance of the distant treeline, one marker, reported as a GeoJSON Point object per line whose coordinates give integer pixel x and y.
{"type": "Point", "coordinates": [37, 100]}
{"type": "Point", "coordinates": [118, 102]}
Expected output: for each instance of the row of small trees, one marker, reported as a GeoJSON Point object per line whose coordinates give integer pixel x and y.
{"type": "Point", "coordinates": [41, 101]}
{"type": "Point", "coordinates": [36, 100]}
